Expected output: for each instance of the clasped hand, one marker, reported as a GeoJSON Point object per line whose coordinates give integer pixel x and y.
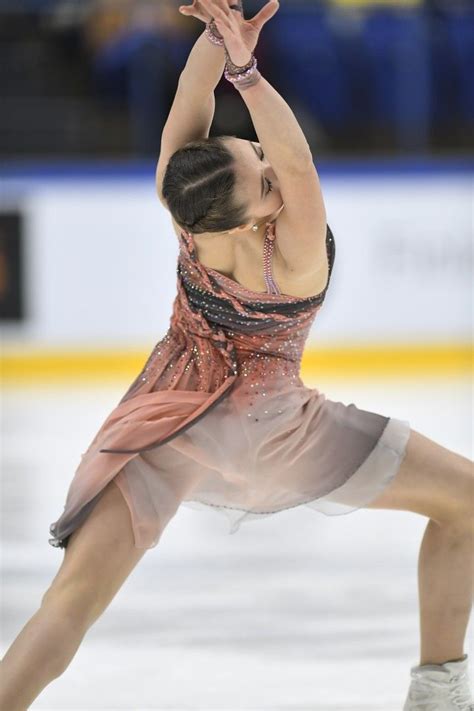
{"type": "Point", "coordinates": [239, 34]}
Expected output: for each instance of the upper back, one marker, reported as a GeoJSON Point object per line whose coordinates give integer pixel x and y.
{"type": "Point", "coordinates": [243, 262]}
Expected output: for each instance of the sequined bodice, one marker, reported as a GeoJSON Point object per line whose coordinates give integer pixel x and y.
{"type": "Point", "coordinates": [223, 337]}
{"type": "Point", "coordinates": [220, 328]}
{"type": "Point", "coordinates": [259, 325]}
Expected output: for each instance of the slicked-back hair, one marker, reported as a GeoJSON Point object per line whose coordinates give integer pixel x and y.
{"type": "Point", "coordinates": [199, 187]}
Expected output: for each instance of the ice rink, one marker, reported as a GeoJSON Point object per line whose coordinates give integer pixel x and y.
{"type": "Point", "coordinates": [298, 611]}
{"type": "Point", "coordinates": [119, 209]}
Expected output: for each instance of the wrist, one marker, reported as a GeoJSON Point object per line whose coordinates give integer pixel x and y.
{"type": "Point", "coordinates": [240, 59]}
{"type": "Point", "coordinates": [213, 34]}
{"type": "Point", "coordinates": [242, 77]}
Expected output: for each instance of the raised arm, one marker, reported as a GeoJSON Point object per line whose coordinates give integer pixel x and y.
{"type": "Point", "coordinates": [301, 226]}
{"type": "Point", "coordinates": [192, 111]}
{"type": "Point", "coordinates": [301, 229]}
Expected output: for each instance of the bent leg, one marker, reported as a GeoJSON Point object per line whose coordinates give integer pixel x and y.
{"type": "Point", "coordinates": [432, 481]}
{"type": "Point", "coordinates": [438, 483]}
{"type": "Point", "coordinates": [100, 555]}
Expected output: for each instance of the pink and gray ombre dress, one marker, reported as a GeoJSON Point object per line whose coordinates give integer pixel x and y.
{"type": "Point", "coordinates": [219, 417]}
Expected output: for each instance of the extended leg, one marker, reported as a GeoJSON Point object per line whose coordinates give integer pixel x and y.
{"type": "Point", "coordinates": [100, 555]}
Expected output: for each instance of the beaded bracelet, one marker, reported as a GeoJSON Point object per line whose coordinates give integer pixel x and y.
{"type": "Point", "coordinates": [213, 34]}
{"type": "Point", "coordinates": [234, 68]}
{"type": "Point", "coordinates": [243, 77]}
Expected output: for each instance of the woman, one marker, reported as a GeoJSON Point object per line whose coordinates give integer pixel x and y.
{"type": "Point", "coordinates": [219, 416]}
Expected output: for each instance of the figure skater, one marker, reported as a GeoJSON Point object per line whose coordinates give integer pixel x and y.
{"type": "Point", "coordinates": [219, 417]}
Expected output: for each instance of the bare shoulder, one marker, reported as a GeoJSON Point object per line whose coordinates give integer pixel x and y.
{"type": "Point", "coordinates": [248, 271]}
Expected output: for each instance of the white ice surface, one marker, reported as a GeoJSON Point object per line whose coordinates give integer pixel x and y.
{"type": "Point", "coordinates": [297, 611]}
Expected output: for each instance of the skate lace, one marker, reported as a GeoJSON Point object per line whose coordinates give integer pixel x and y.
{"type": "Point", "coordinates": [457, 691]}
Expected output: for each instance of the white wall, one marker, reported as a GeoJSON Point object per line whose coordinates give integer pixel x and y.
{"type": "Point", "coordinates": [101, 259]}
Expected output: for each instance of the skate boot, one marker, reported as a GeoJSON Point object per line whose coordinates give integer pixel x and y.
{"type": "Point", "coordinates": [440, 687]}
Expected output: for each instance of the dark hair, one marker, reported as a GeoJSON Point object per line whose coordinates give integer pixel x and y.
{"type": "Point", "coordinates": [199, 187]}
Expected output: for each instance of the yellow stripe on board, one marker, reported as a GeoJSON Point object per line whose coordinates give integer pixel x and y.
{"type": "Point", "coordinates": [396, 360]}
{"type": "Point", "coordinates": [23, 367]}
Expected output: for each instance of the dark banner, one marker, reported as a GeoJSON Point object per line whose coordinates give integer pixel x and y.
{"type": "Point", "coordinates": [12, 270]}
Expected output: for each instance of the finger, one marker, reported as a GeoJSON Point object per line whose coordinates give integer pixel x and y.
{"type": "Point", "coordinates": [223, 5]}
{"type": "Point", "coordinates": [187, 9]}
{"type": "Point", "coordinates": [210, 6]}
{"type": "Point", "coordinates": [222, 21]}
{"type": "Point", "coordinates": [265, 14]}
{"type": "Point", "coordinates": [216, 10]}
{"type": "Point", "coordinates": [190, 10]}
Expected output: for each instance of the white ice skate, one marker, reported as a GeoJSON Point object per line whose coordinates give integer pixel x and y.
{"type": "Point", "coordinates": [440, 687]}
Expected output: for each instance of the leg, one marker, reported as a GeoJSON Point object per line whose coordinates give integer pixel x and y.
{"type": "Point", "coordinates": [438, 483]}
{"type": "Point", "coordinates": [100, 555]}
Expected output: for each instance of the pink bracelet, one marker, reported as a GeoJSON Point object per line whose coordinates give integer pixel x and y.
{"type": "Point", "coordinates": [244, 79]}
{"type": "Point", "coordinates": [234, 68]}
{"type": "Point", "coordinates": [213, 34]}
{"type": "Point", "coordinates": [250, 81]}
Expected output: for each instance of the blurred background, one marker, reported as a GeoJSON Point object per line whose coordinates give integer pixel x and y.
{"type": "Point", "coordinates": [384, 92]}
{"type": "Point", "coordinates": [97, 77]}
